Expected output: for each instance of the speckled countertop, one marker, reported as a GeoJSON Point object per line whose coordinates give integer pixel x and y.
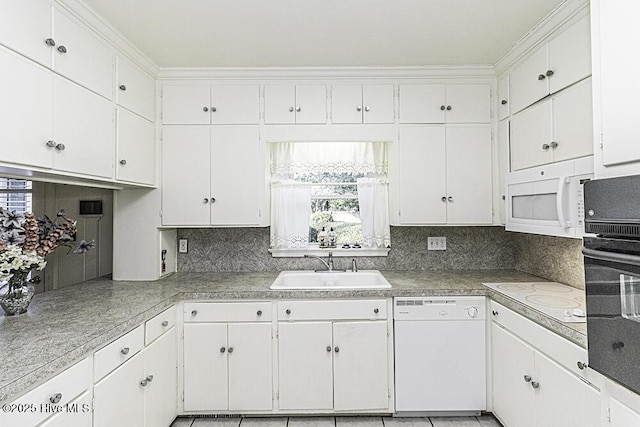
{"type": "Point", "coordinates": [63, 326]}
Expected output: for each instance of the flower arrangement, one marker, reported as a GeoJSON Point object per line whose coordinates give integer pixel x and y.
{"type": "Point", "coordinates": [25, 241]}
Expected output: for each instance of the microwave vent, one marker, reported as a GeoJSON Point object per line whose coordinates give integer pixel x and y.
{"type": "Point", "coordinates": [608, 229]}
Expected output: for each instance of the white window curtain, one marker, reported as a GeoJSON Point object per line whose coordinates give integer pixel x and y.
{"type": "Point", "coordinates": [290, 213]}
{"type": "Point", "coordinates": [373, 198]}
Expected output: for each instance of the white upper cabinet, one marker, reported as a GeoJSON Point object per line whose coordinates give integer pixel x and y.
{"type": "Point", "coordinates": [81, 56]}
{"type": "Point", "coordinates": [439, 103]}
{"type": "Point", "coordinates": [362, 104]}
{"type": "Point", "coordinates": [135, 88]}
{"type": "Point", "coordinates": [555, 65]}
{"type": "Point", "coordinates": [25, 26]}
{"type": "Point", "coordinates": [136, 149]}
{"type": "Point", "coordinates": [203, 105]}
{"type": "Point", "coordinates": [290, 104]}
{"type": "Point", "coordinates": [503, 97]}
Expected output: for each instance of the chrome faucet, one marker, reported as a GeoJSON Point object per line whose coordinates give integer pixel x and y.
{"type": "Point", "coordinates": [328, 263]}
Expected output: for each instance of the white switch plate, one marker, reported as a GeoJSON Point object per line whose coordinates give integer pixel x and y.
{"type": "Point", "coordinates": [183, 247]}
{"type": "Point", "coordinates": [436, 243]}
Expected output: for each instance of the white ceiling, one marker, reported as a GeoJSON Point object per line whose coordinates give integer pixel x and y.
{"type": "Point", "coordinates": [299, 33]}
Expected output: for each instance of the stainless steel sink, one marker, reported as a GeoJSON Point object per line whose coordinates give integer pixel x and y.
{"type": "Point", "coordinates": [330, 280]}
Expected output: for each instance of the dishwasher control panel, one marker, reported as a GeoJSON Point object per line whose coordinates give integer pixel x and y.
{"type": "Point", "coordinates": [439, 308]}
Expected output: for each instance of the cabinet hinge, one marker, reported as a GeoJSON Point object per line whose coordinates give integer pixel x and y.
{"type": "Point", "coordinates": [609, 413]}
{"type": "Point", "coordinates": [601, 140]}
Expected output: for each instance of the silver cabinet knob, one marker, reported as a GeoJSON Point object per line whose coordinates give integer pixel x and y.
{"type": "Point", "coordinates": [582, 366]}
{"type": "Point", "coordinates": [444, 198]}
{"type": "Point", "coordinates": [291, 109]}
{"type": "Point", "coordinates": [51, 143]}
{"type": "Point", "coordinates": [50, 42]}
{"type": "Point", "coordinates": [366, 108]}
{"type": "Point", "coordinates": [449, 107]}
{"type": "Point", "coordinates": [504, 197]}
{"type": "Point", "coordinates": [144, 383]}
{"type": "Point", "coordinates": [60, 147]}
{"type": "Point", "coordinates": [230, 350]}
{"type": "Point", "coordinates": [450, 198]}
{"type": "Point", "coordinates": [541, 77]}
{"type": "Point", "coordinates": [62, 49]}
{"type": "Point", "coordinates": [149, 378]}
{"type": "Point", "coordinates": [337, 349]}
{"type": "Point", "coordinates": [358, 108]}
{"type": "Point", "coordinates": [205, 109]}
{"type": "Point", "coordinates": [545, 146]}
{"type": "Point", "coordinates": [298, 109]}
{"type": "Point", "coordinates": [205, 200]}
{"type": "Point", "coordinates": [376, 311]}
{"type": "Point", "coordinates": [123, 162]}
{"type": "Point", "coordinates": [287, 311]}
{"type": "Point", "coordinates": [527, 379]}
{"type": "Point", "coordinates": [222, 349]}
{"type": "Point", "coordinates": [442, 107]}
{"type": "Point", "coordinates": [56, 398]}
{"type": "Point", "coordinates": [125, 351]}
{"type": "Point", "coordinates": [494, 312]}
{"type": "Point", "coordinates": [165, 323]}
{"type": "Point", "coordinates": [194, 312]}
{"type": "Point", "coordinates": [213, 200]}
{"type": "Point", "coordinates": [503, 102]}
{"type": "Point", "coordinates": [535, 384]}
{"type": "Point", "coordinates": [549, 73]}
{"type": "Point", "coordinates": [214, 109]}
{"type": "Point", "coordinates": [328, 349]}
{"type": "Point", "coordinates": [553, 144]}
{"type": "Point", "coordinates": [259, 312]}
{"type": "Point", "coordinates": [122, 87]}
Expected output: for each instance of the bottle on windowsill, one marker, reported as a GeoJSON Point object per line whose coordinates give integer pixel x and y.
{"type": "Point", "coordinates": [332, 238]}
{"type": "Point", "coordinates": [322, 238]}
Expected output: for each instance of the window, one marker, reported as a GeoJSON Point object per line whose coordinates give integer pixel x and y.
{"type": "Point", "coordinates": [16, 195]}
{"type": "Point", "coordinates": [328, 184]}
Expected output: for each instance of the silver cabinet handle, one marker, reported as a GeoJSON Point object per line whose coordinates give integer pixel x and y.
{"type": "Point", "coordinates": [442, 107]}
{"type": "Point", "coordinates": [444, 199]}
{"type": "Point", "coordinates": [449, 107]}
{"type": "Point", "coordinates": [503, 102]}
{"type": "Point", "coordinates": [553, 144]}
{"type": "Point", "coordinates": [205, 200]}
{"type": "Point", "coordinates": [205, 109]}
{"type": "Point", "coordinates": [230, 350]}
{"type": "Point", "coordinates": [376, 311]}
{"type": "Point", "coordinates": [149, 378]}
{"type": "Point", "coordinates": [328, 349]}
{"type": "Point", "coordinates": [366, 108]}
{"type": "Point", "coordinates": [298, 109]}
{"type": "Point", "coordinates": [62, 49]}
{"type": "Point", "coordinates": [56, 398]}
{"type": "Point", "coordinates": [527, 379]}
{"type": "Point", "coordinates": [291, 109]}
{"type": "Point", "coordinates": [337, 349]}
{"type": "Point", "coordinates": [582, 366]}
{"type": "Point", "coordinates": [549, 73]}
{"type": "Point", "coordinates": [214, 109]}
{"type": "Point", "coordinates": [125, 351]}
{"type": "Point", "coordinates": [541, 77]}
{"type": "Point", "coordinates": [545, 146]}
{"type": "Point", "coordinates": [60, 147]}
{"type": "Point", "coordinates": [165, 323]}
{"type": "Point", "coordinates": [144, 383]}
{"type": "Point", "coordinates": [194, 312]}
{"type": "Point", "coordinates": [287, 311]}
{"type": "Point", "coordinates": [259, 312]}
{"type": "Point", "coordinates": [450, 198]}
{"type": "Point", "coordinates": [494, 312]}
{"type": "Point", "coordinates": [51, 143]}
{"type": "Point", "coordinates": [358, 108]}
{"type": "Point", "coordinates": [535, 384]}
{"type": "Point", "coordinates": [213, 200]}
{"type": "Point", "coordinates": [222, 349]}
{"type": "Point", "coordinates": [123, 162]}
{"type": "Point", "coordinates": [50, 42]}
{"type": "Point", "coordinates": [122, 87]}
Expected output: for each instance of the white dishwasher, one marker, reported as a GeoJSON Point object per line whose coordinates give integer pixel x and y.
{"type": "Point", "coordinates": [440, 365]}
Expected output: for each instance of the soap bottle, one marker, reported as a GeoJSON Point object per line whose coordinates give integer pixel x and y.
{"type": "Point", "coordinates": [322, 238]}
{"type": "Point", "coordinates": [332, 238]}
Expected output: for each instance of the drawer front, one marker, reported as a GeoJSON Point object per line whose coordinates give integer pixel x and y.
{"type": "Point", "coordinates": [332, 310]}
{"type": "Point", "coordinates": [227, 312]}
{"type": "Point", "coordinates": [78, 414]}
{"type": "Point", "coordinates": [113, 355]}
{"type": "Point", "coordinates": [42, 402]}
{"type": "Point", "coordinates": [159, 325]}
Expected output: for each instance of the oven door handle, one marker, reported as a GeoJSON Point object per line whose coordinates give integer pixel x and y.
{"type": "Point", "coordinates": [563, 182]}
{"type": "Point", "coordinates": [611, 256]}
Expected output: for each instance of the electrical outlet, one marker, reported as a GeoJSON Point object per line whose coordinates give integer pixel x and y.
{"type": "Point", "coordinates": [437, 243]}
{"type": "Point", "coordinates": [183, 247]}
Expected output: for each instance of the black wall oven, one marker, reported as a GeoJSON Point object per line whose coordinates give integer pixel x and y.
{"type": "Point", "coordinates": [612, 274]}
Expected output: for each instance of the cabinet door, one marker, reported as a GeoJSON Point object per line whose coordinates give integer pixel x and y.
{"type": "Point", "coordinates": [346, 104]}
{"type": "Point", "coordinates": [26, 110]}
{"type": "Point", "coordinates": [24, 27]}
{"type": "Point", "coordinates": [232, 105]}
{"type": "Point", "coordinates": [469, 177]}
{"type": "Point", "coordinates": [422, 103]}
{"type": "Point", "coordinates": [205, 367]}
{"type": "Point", "coordinates": [570, 56]}
{"type": "Point", "coordinates": [186, 181]}
{"type": "Point", "coordinates": [81, 56]}
{"type": "Point", "coordinates": [528, 82]}
{"type": "Point", "coordinates": [186, 105]}
{"type": "Point", "coordinates": [77, 414]}
{"type": "Point", "coordinates": [503, 166]}
{"type": "Point", "coordinates": [135, 89]}
{"type": "Point", "coordinates": [378, 103]}
{"type": "Point", "coordinates": [513, 397]}
{"type": "Point", "coordinates": [531, 136]}
{"type": "Point", "coordinates": [161, 397]}
{"type": "Point", "coordinates": [136, 149]}
{"type": "Point", "coordinates": [305, 357]}
{"type": "Point", "coordinates": [361, 368]}
{"type": "Point", "coordinates": [84, 123]}
{"type": "Point", "coordinates": [118, 399]}
{"type": "Point", "coordinates": [468, 104]}
{"type": "Point", "coordinates": [503, 97]}
{"type": "Point", "coordinates": [422, 171]}
{"type": "Point", "coordinates": [250, 367]}
{"type": "Point", "coordinates": [311, 104]}
{"type": "Point", "coordinates": [621, 415]}
{"type": "Point", "coordinates": [572, 122]}
{"type": "Point", "coordinates": [235, 176]}
{"type": "Point", "coordinates": [563, 399]}
{"type": "Point", "coordinates": [279, 104]}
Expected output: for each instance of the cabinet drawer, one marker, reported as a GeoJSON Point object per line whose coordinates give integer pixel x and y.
{"type": "Point", "coordinates": [159, 325]}
{"type": "Point", "coordinates": [116, 353]}
{"type": "Point", "coordinates": [78, 414]}
{"type": "Point", "coordinates": [60, 390]}
{"type": "Point", "coordinates": [332, 310]}
{"type": "Point", "coordinates": [227, 312]}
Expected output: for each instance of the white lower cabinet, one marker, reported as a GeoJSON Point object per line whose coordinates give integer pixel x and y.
{"type": "Point", "coordinates": [530, 388]}
{"type": "Point", "coordinates": [621, 415]}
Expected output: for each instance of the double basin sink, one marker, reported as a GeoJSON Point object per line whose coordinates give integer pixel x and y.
{"type": "Point", "coordinates": [330, 280]}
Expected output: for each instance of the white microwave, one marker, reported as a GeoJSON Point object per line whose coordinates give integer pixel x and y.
{"type": "Point", "coordinates": [548, 199]}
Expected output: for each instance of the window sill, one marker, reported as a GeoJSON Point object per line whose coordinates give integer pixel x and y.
{"type": "Point", "coordinates": [337, 252]}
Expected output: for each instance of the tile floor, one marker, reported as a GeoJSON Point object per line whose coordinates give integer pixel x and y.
{"type": "Point", "coordinates": [481, 421]}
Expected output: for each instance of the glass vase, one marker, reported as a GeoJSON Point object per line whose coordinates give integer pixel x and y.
{"type": "Point", "coordinates": [16, 294]}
